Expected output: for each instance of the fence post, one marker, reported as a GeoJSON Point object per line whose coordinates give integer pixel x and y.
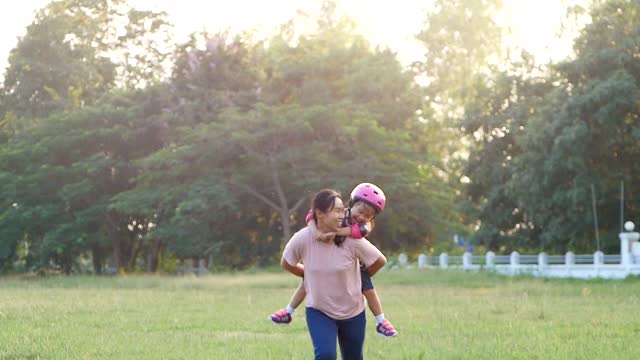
{"type": "Point", "coordinates": [514, 261]}
{"type": "Point", "coordinates": [444, 260]}
{"type": "Point", "coordinates": [598, 262]}
{"type": "Point", "coordinates": [543, 262]}
{"type": "Point", "coordinates": [422, 261]}
{"type": "Point", "coordinates": [466, 260]}
{"type": "Point", "coordinates": [598, 258]}
{"type": "Point", "coordinates": [402, 260]}
{"type": "Point", "coordinates": [625, 243]}
{"type": "Point", "coordinates": [202, 268]}
{"type": "Point", "coordinates": [491, 256]}
{"type": "Point", "coordinates": [569, 261]}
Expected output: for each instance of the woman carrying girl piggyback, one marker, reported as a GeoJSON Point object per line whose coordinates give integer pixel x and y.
{"type": "Point", "coordinates": [367, 200]}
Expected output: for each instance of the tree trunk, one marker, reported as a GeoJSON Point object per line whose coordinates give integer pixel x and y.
{"type": "Point", "coordinates": [117, 254]}
{"type": "Point", "coordinates": [284, 209]}
{"type": "Point", "coordinates": [96, 257]}
{"type": "Point", "coordinates": [286, 226]}
{"type": "Point", "coordinates": [281, 206]}
{"type": "Point", "coordinates": [67, 264]}
{"type": "Point", "coordinates": [154, 256]}
{"type": "Point", "coordinates": [116, 243]}
{"type": "Point", "coordinates": [134, 250]}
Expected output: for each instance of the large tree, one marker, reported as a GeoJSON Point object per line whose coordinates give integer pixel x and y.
{"type": "Point", "coordinates": [62, 174]}
{"type": "Point", "coordinates": [74, 51]}
{"type": "Point", "coordinates": [591, 137]}
{"type": "Point", "coordinates": [220, 161]}
{"type": "Point", "coordinates": [543, 142]}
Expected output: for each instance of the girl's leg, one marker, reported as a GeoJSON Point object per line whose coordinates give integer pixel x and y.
{"type": "Point", "coordinates": [369, 292]}
{"type": "Point", "coordinates": [351, 336]}
{"type": "Point", "coordinates": [323, 331]}
{"type": "Point", "coordinates": [373, 301]}
{"type": "Point", "coordinates": [283, 316]}
{"type": "Point", "coordinates": [298, 296]}
{"type": "Point", "coordinates": [383, 327]}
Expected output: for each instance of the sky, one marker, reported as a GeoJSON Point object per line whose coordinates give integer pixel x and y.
{"type": "Point", "coordinates": [389, 23]}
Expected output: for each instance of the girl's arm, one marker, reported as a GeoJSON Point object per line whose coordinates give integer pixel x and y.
{"type": "Point", "coordinates": [355, 231]}
{"type": "Point", "coordinates": [320, 236]}
{"type": "Point", "coordinates": [344, 231]}
{"type": "Point", "coordinates": [314, 229]}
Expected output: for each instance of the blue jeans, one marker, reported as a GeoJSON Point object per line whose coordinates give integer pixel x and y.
{"type": "Point", "coordinates": [323, 330]}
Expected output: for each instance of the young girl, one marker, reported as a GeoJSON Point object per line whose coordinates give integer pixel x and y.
{"type": "Point", "coordinates": [367, 200]}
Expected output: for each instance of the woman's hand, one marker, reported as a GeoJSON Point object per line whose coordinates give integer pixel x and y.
{"type": "Point", "coordinates": [377, 265]}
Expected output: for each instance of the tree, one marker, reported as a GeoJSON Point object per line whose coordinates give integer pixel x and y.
{"type": "Point", "coordinates": [220, 160]}
{"type": "Point", "coordinates": [559, 134]}
{"type": "Point", "coordinates": [590, 136]}
{"type": "Point", "coordinates": [494, 125]}
{"type": "Point", "coordinates": [64, 172]}
{"type": "Point", "coordinates": [461, 39]}
{"type": "Point", "coordinates": [180, 194]}
{"type": "Point", "coordinates": [76, 50]}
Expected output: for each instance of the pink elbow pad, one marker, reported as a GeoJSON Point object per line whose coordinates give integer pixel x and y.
{"type": "Point", "coordinates": [356, 233]}
{"type": "Point", "coordinates": [309, 217]}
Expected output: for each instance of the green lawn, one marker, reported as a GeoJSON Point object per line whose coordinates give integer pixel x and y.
{"type": "Point", "coordinates": [440, 315]}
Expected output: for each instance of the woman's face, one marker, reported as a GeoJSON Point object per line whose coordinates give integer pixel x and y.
{"type": "Point", "coordinates": [332, 219]}
{"type": "Point", "coordinates": [362, 213]}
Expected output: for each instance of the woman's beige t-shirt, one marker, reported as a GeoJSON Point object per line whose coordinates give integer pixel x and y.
{"type": "Point", "coordinates": [331, 273]}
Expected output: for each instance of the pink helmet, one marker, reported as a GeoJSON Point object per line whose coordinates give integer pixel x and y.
{"type": "Point", "coordinates": [370, 194]}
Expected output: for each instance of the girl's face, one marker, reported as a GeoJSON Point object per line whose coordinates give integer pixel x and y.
{"type": "Point", "coordinates": [362, 213]}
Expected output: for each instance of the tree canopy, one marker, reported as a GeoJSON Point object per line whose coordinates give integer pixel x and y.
{"type": "Point", "coordinates": [122, 150]}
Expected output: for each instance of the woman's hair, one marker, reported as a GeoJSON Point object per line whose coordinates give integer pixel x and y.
{"type": "Point", "coordinates": [324, 200]}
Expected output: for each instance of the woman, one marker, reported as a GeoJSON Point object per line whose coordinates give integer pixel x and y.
{"type": "Point", "coordinates": [367, 201]}
{"type": "Point", "coordinates": [335, 305]}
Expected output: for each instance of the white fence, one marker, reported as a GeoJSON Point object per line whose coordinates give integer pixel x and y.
{"type": "Point", "coordinates": [597, 265]}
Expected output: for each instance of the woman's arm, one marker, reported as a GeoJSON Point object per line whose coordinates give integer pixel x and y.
{"type": "Point", "coordinates": [377, 265]}
{"type": "Point", "coordinates": [293, 253]}
{"type": "Point", "coordinates": [369, 254]}
{"type": "Point", "coordinates": [297, 270]}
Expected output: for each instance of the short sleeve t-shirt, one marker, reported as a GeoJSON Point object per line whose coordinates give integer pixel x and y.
{"type": "Point", "coordinates": [331, 273]}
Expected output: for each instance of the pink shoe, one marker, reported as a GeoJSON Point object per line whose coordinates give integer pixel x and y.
{"type": "Point", "coordinates": [386, 329]}
{"type": "Point", "coordinates": [281, 317]}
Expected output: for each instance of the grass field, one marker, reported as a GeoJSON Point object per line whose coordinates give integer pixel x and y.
{"type": "Point", "coordinates": [440, 315]}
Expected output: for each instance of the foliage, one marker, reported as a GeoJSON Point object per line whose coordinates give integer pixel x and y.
{"type": "Point", "coordinates": [543, 142]}
{"type": "Point", "coordinates": [75, 51]}
{"type": "Point", "coordinates": [116, 150]}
